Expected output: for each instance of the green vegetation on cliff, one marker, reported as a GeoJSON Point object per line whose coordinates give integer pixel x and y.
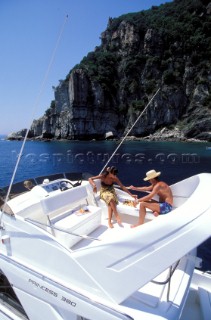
{"type": "Point", "coordinates": [167, 47]}
{"type": "Point", "coordinates": [183, 27]}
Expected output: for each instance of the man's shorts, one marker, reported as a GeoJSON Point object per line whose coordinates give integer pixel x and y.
{"type": "Point", "coordinates": [165, 207]}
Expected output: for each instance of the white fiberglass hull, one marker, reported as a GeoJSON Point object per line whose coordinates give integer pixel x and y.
{"type": "Point", "coordinates": [107, 273]}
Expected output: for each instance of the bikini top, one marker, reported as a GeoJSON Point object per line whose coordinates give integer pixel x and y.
{"type": "Point", "coordinates": [103, 184]}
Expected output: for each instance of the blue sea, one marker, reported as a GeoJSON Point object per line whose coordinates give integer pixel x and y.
{"type": "Point", "coordinates": [175, 160]}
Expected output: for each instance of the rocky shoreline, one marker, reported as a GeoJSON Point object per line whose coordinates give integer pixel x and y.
{"type": "Point", "coordinates": [164, 134]}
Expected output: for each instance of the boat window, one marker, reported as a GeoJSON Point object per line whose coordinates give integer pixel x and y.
{"type": "Point", "coordinates": [52, 177]}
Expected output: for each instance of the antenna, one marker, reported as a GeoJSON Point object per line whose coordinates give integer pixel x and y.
{"type": "Point", "coordinates": [129, 130]}
{"type": "Point", "coordinates": [35, 108]}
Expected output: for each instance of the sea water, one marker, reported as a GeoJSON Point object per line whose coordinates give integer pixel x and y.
{"type": "Point", "coordinates": [175, 160]}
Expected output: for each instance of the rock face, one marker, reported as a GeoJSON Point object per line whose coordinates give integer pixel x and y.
{"type": "Point", "coordinates": [110, 88]}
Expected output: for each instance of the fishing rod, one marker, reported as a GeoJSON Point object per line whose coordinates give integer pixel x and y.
{"type": "Point", "coordinates": [34, 109]}
{"type": "Point", "coordinates": [130, 130]}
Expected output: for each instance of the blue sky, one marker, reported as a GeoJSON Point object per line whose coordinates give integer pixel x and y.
{"type": "Point", "coordinates": [39, 46]}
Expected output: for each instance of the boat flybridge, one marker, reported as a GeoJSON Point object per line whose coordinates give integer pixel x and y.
{"type": "Point", "coordinates": [60, 261]}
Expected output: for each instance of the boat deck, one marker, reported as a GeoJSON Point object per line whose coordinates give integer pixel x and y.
{"type": "Point", "coordinates": [102, 232]}
{"type": "Point", "coordinates": [154, 297]}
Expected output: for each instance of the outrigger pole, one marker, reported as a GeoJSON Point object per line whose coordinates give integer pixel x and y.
{"type": "Point", "coordinates": [130, 130]}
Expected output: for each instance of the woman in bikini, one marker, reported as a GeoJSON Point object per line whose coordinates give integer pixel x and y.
{"type": "Point", "coordinates": [107, 191]}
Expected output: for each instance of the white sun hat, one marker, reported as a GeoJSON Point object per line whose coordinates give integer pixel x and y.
{"type": "Point", "coordinates": [151, 175]}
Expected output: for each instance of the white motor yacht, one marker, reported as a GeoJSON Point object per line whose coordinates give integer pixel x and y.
{"type": "Point", "coordinates": [60, 261]}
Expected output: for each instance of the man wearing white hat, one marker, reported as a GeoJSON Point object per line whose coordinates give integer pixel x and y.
{"type": "Point", "coordinates": [159, 188]}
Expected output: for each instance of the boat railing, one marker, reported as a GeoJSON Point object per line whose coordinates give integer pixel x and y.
{"type": "Point", "coordinates": [19, 188]}
{"type": "Point", "coordinates": [52, 227]}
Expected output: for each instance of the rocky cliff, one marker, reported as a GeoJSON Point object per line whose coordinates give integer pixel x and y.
{"type": "Point", "coordinates": [167, 47]}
